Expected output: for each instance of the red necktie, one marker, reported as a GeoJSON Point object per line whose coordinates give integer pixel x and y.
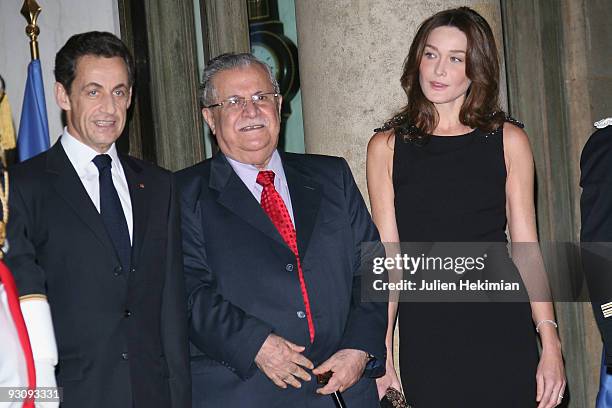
{"type": "Point", "coordinates": [272, 203]}
{"type": "Point", "coordinates": [13, 303]}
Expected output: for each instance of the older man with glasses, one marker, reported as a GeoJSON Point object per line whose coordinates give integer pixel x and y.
{"type": "Point", "coordinates": [272, 245]}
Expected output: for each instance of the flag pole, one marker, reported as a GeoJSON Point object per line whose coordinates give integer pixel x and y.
{"type": "Point", "coordinates": [33, 136]}
{"type": "Point", "coordinates": [30, 10]}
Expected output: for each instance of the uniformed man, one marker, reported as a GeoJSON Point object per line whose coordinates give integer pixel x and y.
{"type": "Point", "coordinates": [596, 239]}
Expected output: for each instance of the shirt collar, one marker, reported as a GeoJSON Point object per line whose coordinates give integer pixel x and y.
{"type": "Point", "coordinates": [248, 172]}
{"type": "Point", "coordinates": [81, 155]}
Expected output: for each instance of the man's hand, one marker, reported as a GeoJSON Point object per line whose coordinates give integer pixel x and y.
{"type": "Point", "coordinates": [280, 360]}
{"type": "Point", "coordinates": [347, 366]}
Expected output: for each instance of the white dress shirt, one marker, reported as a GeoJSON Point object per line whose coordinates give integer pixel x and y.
{"type": "Point", "coordinates": [81, 156]}
{"type": "Point", "coordinates": [248, 175]}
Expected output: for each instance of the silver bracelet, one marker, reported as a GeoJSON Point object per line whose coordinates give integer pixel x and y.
{"type": "Point", "coordinates": [546, 321]}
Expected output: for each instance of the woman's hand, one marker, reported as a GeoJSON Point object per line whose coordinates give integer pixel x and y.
{"type": "Point", "coordinates": [388, 380]}
{"type": "Point", "coordinates": [550, 377]}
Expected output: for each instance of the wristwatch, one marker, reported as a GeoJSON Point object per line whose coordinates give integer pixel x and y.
{"type": "Point", "coordinates": [374, 367]}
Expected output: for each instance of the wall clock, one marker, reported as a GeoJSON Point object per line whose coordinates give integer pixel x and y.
{"type": "Point", "coordinates": [271, 45]}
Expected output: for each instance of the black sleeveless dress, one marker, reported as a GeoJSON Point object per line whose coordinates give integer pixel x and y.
{"type": "Point", "coordinates": [452, 189]}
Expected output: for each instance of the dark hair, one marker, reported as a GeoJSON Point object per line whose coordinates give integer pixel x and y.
{"type": "Point", "coordinates": [96, 43]}
{"type": "Point", "coordinates": [481, 106]}
{"type": "Point", "coordinates": [207, 92]}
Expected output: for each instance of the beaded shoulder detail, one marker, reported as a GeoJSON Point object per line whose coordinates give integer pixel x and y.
{"type": "Point", "coordinates": [514, 121]}
{"type": "Point", "coordinates": [394, 122]}
{"type": "Point", "coordinates": [403, 129]}
{"type": "Point", "coordinates": [407, 129]}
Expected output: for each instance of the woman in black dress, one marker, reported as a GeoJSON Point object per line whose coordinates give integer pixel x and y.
{"type": "Point", "coordinates": [452, 167]}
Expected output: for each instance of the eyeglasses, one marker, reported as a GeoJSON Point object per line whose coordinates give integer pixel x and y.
{"type": "Point", "coordinates": [237, 103]}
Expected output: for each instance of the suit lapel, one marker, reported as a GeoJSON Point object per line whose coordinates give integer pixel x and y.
{"type": "Point", "coordinates": [305, 199]}
{"type": "Point", "coordinates": [69, 186]}
{"type": "Point", "coordinates": [237, 198]}
{"type": "Point", "coordinates": [139, 196]}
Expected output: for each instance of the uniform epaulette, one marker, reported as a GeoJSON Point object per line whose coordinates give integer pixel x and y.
{"type": "Point", "coordinates": [600, 124]}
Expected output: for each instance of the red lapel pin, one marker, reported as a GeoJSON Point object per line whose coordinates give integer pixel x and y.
{"type": "Point", "coordinates": [140, 185]}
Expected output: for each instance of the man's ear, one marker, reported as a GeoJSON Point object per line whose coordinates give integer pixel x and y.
{"type": "Point", "coordinates": [209, 118]}
{"type": "Point", "coordinates": [61, 97]}
{"type": "Point", "coordinates": [280, 104]}
{"type": "Point", "coordinates": [129, 102]}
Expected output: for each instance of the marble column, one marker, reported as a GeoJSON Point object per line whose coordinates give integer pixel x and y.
{"type": "Point", "coordinates": [350, 55]}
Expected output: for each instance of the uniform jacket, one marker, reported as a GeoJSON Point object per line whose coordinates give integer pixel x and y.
{"type": "Point", "coordinates": [596, 229]}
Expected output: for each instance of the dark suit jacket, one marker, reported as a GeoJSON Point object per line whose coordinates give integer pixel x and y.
{"type": "Point", "coordinates": [596, 229]}
{"type": "Point", "coordinates": [121, 335]}
{"type": "Point", "coordinates": [242, 282]}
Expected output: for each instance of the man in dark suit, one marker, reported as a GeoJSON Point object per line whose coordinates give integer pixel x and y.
{"type": "Point", "coordinates": [596, 239]}
{"type": "Point", "coordinates": [95, 240]}
{"type": "Point", "coordinates": [272, 245]}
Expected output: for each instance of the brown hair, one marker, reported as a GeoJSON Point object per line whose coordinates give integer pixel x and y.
{"type": "Point", "coordinates": [481, 106]}
{"type": "Point", "coordinates": [96, 43]}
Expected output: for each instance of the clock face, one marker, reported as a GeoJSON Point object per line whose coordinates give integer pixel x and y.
{"type": "Point", "coordinates": [277, 51]}
{"type": "Point", "coordinates": [265, 54]}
